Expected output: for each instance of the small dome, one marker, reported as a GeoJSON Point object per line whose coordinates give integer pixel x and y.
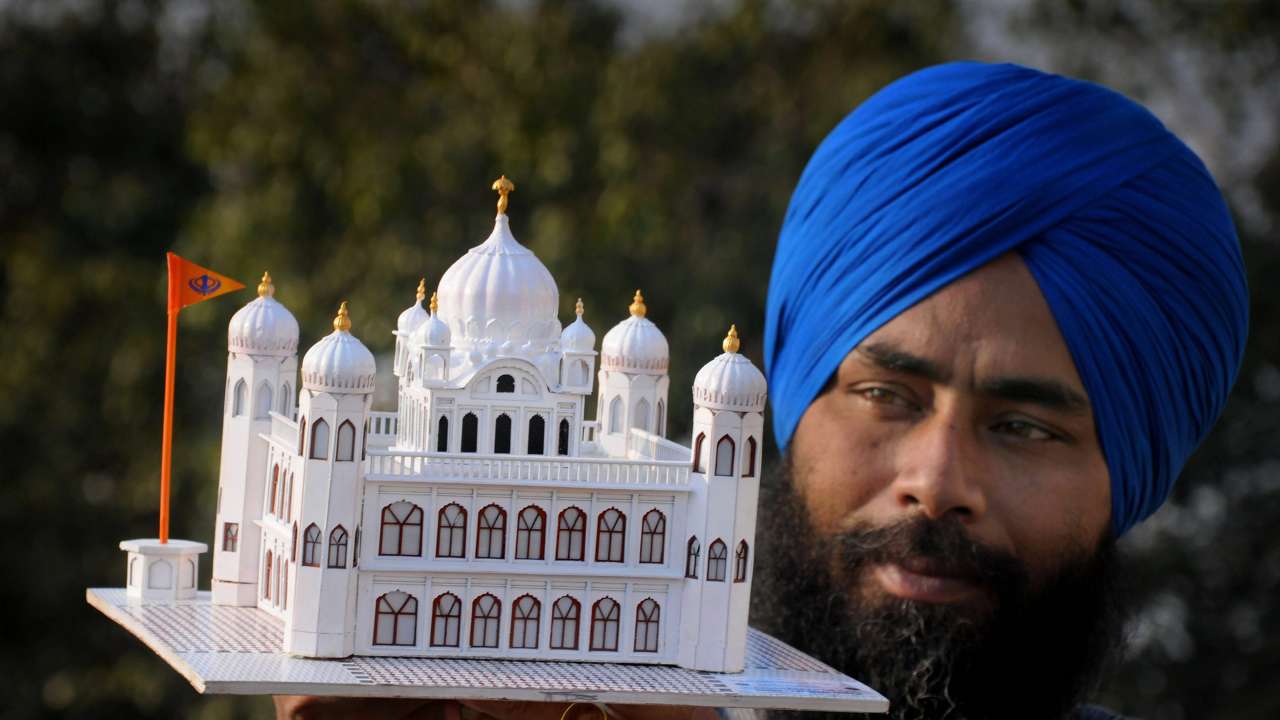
{"type": "Point", "coordinates": [635, 344]}
{"type": "Point", "coordinates": [414, 316]}
{"type": "Point", "coordinates": [498, 292]}
{"type": "Point", "coordinates": [730, 381]}
{"type": "Point", "coordinates": [339, 362]}
{"type": "Point", "coordinates": [264, 326]}
{"type": "Point", "coordinates": [577, 337]}
{"type": "Point", "coordinates": [433, 333]}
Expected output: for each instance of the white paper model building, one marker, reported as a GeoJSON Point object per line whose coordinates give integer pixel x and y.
{"type": "Point", "coordinates": [485, 516]}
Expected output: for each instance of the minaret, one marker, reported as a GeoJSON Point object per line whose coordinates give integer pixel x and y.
{"type": "Point", "coordinates": [728, 426]}
{"type": "Point", "coordinates": [578, 360]}
{"type": "Point", "coordinates": [409, 320]}
{"type": "Point", "coordinates": [337, 377]}
{"type": "Point", "coordinates": [634, 358]}
{"type": "Point", "coordinates": [262, 367]}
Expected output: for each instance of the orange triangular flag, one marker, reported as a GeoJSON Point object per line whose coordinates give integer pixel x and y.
{"type": "Point", "coordinates": [189, 283]}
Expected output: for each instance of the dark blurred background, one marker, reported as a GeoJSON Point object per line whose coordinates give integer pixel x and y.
{"type": "Point", "coordinates": [348, 147]}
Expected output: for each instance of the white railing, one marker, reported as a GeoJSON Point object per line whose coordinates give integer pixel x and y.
{"type": "Point", "coordinates": [383, 423]}
{"type": "Point", "coordinates": [386, 465]}
{"type": "Point", "coordinates": [643, 444]}
{"type": "Point", "coordinates": [284, 431]}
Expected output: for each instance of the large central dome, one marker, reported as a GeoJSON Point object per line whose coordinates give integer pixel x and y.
{"type": "Point", "coordinates": [500, 292]}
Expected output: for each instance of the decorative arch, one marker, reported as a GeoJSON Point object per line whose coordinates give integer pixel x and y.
{"type": "Point", "coordinates": [724, 456]}
{"type": "Point", "coordinates": [486, 618]}
{"type": "Point", "coordinates": [451, 531]}
{"type": "Point", "coordinates": [692, 553]}
{"type": "Point", "coordinates": [531, 533]}
{"type": "Point", "coordinates": [647, 617]}
{"type": "Point", "coordinates": [401, 530]}
{"type": "Point", "coordinates": [526, 614]}
{"type": "Point", "coordinates": [275, 486]}
{"type": "Point", "coordinates": [660, 422]}
{"type": "Point", "coordinates": [565, 614]}
{"type": "Point", "coordinates": [611, 536]}
{"type": "Point", "coordinates": [395, 619]}
{"type": "Point", "coordinates": [311, 546]}
{"type": "Point", "coordinates": [717, 558]}
{"type": "Point", "coordinates": [491, 535]}
{"type": "Point", "coordinates": [262, 406]}
{"type": "Point", "coordinates": [605, 617]}
{"type": "Point", "coordinates": [266, 578]}
{"type": "Point", "coordinates": [506, 384]}
{"type": "Point", "coordinates": [470, 432]}
{"type": "Point", "coordinates": [537, 435]}
{"type": "Point", "coordinates": [562, 438]}
{"type": "Point", "coordinates": [615, 415]}
{"type": "Point", "coordinates": [442, 434]}
{"type": "Point", "coordinates": [697, 452]}
{"type": "Point", "coordinates": [749, 468]}
{"type": "Point", "coordinates": [346, 441]}
{"type": "Point", "coordinates": [284, 399]}
{"type": "Point", "coordinates": [338, 548]}
{"type": "Point", "coordinates": [571, 534]}
{"type": "Point", "coordinates": [740, 563]}
{"type": "Point", "coordinates": [302, 435]}
{"type": "Point", "coordinates": [502, 433]}
{"type": "Point", "coordinates": [641, 417]}
{"type": "Point", "coordinates": [653, 537]}
{"type": "Point", "coordinates": [320, 440]}
{"type": "Point", "coordinates": [238, 398]}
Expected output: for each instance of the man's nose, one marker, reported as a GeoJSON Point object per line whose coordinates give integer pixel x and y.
{"type": "Point", "coordinates": [942, 473]}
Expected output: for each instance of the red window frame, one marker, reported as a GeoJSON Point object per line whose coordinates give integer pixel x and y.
{"type": "Point", "coordinates": [717, 561]}
{"type": "Point", "coordinates": [648, 614]}
{"type": "Point", "coordinates": [457, 530]}
{"type": "Point", "coordinates": [740, 562]}
{"type": "Point", "coordinates": [562, 616]}
{"type": "Point", "coordinates": [653, 537]}
{"type": "Point", "coordinates": [565, 532]}
{"type": "Point", "coordinates": [486, 620]}
{"type": "Point", "coordinates": [523, 613]}
{"type": "Point", "coordinates": [311, 546]}
{"type": "Point", "coordinates": [411, 520]}
{"type": "Point", "coordinates": [384, 612]}
{"type": "Point", "coordinates": [525, 527]}
{"type": "Point", "coordinates": [693, 552]}
{"type": "Point", "coordinates": [605, 617]}
{"type": "Point", "coordinates": [611, 536]}
{"type": "Point", "coordinates": [338, 548]}
{"type": "Point", "coordinates": [491, 526]}
{"type": "Point", "coordinates": [697, 452]}
{"type": "Point", "coordinates": [451, 614]}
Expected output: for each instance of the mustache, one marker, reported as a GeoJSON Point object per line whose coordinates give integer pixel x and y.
{"type": "Point", "coordinates": [933, 547]}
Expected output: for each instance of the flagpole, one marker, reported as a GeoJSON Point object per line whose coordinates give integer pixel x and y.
{"type": "Point", "coordinates": [170, 358]}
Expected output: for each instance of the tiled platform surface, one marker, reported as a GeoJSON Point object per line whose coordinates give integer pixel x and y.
{"type": "Point", "coordinates": [233, 650]}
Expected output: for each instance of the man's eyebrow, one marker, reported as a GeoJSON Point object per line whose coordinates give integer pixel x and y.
{"type": "Point", "coordinates": [1046, 392]}
{"type": "Point", "coordinates": [897, 360]}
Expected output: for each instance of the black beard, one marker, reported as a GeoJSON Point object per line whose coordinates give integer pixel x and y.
{"type": "Point", "coordinates": [1033, 653]}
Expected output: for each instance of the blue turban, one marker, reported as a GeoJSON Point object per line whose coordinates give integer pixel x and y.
{"type": "Point", "coordinates": [1118, 221]}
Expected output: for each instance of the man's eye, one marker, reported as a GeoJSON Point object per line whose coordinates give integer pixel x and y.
{"type": "Point", "coordinates": [884, 396]}
{"type": "Point", "coordinates": [1025, 430]}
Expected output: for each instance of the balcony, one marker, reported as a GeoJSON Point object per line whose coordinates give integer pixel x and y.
{"type": "Point", "coordinates": [621, 474]}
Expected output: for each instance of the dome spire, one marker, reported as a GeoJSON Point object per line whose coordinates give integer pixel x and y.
{"type": "Point", "coordinates": [638, 308]}
{"type": "Point", "coordinates": [435, 302]}
{"type": "Point", "coordinates": [731, 343]}
{"type": "Point", "coordinates": [422, 289]}
{"type": "Point", "coordinates": [342, 323]}
{"type": "Point", "coordinates": [578, 308]}
{"type": "Point", "coordinates": [504, 187]}
{"type": "Point", "coordinates": [265, 288]}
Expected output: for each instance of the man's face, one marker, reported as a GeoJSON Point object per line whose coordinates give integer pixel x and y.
{"type": "Point", "coordinates": [965, 408]}
{"type": "Point", "coordinates": [942, 524]}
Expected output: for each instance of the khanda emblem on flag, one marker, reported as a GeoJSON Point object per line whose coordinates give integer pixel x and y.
{"type": "Point", "coordinates": [205, 285]}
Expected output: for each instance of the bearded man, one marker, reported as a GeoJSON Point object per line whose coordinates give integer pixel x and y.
{"type": "Point", "coordinates": [1005, 308]}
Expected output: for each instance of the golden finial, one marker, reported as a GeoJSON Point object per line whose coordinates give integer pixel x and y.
{"type": "Point", "coordinates": [343, 321]}
{"type": "Point", "coordinates": [503, 186]}
{"type": "Point", "coordinates": [422, 289]}
{"type": "Point", "coordinates": [731, 343]}
{"type": "Point", "coordinates": [637, 305]}
{"type": "Point", "coordinates": [435, 304]}
{"type": "Point", "coordinates": [578, 308]}
{"type": "Point", "coordinates": [265, 288]}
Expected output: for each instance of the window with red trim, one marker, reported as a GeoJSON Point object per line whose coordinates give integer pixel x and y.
{"type": "Point", "coordinates": [605, 615]}
{"type": "Point", "coordinates": [564, 624]}
{"type": "Point", "coordinates": [395, 620]}
{"type": "Point", "coordinates": [525, 614]}
{"type": "Point", "coordinates": [531, 532]}
{"type": "Point", "coordinates": [446, 619]}
{"type": "Point", "coordinates": [571, 534]}
{"type": "Point", "coordinates": [451, 532]}
{"type": "Point", "coordinates": [653, 537]}
{"type": "Point", "coordinates": [647, 613]}
{"type": "Point", "coordinates": [401, 529]}
{"type": "Point", "coordinates": [486, 614]}
{"type": "Point", "coordinates": [491, 535]}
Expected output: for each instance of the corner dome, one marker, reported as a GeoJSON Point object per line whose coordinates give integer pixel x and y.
{"type": "Point", "coordinates": [414, 315]}
{"type": "Point", "coordinates": [635, 345]}
{"type": "Point", "coordinates": [433, 332]}
{"type": "Point", "coordinates": [577, 336]}
{"type": "Point", "coordinates": [339, 362]}
{"type": "Point", "coordinates": [730, 381]}
{"type": "Point", "coordinates": [263, 326]}
{"type": "Point", "coordinates": [500, 292]}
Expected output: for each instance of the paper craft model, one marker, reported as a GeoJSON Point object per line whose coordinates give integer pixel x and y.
{"type": "Point", "coordinates": [485, 517]}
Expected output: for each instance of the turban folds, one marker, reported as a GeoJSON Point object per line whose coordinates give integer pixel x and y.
{"type": "Point", "coordinates": [1120, 224]}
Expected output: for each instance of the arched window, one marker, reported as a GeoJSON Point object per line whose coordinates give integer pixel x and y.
{"type": "Point", "coordinates": [717, 559]}
{"type": "Point", "coordinates": [288, 497]}
{"type": "Point", "coordinates": [275, 486]}
{"type": "Point", "coordinates": [691, 558]}
{"type": "Point", "coordinates": [401, 530]}
{"type": "Point", "coordinates": [506, 384]}
{"type": "Point", "coordinates": [320, 440]}
{"type": "Point", "coordinates": [502, 434]}
{"type": "Point", "coordinates": [311, 546]}
{"type": "Point", "coordinates": [293, 543]}
{"type": "Point", "coordinates": [238, 399]}
{"type": "Point", "coordinates": [615, 415]}
{"type": "Point", "coordinates": [641, 417]}
{"type": "Point", "coordinates": [749, 469]}
{"type": "Point", "coordinates": [338, 548]}
{"type": "Point", "coordinates": [564, 624]}
{"type": "Point", "coordinates": [660, 421]}
{"type": "Point", "coordinates": [284, 591]}
{"type": "Point", "coordinates": [492, 535]}
{"type": "Point", "coordinates": [284, 399]}
{"type": "Point", "coordinates": [578, 373]}
{"type": "Point", "coordinates": [266, 579]}
{"type": "Point", "coordinates": [485, 620]}
{"type": "Point", "coordinates": [395, 620]}
{"type": "Point", "coordinates": [653, 537]}
{"type": "Point", "coordinates": [470, 430]}
{"type": "Point", "coordinates": [280, 563]}
{"type": "Point", "coordinates": [604, 624]}
{"type": "Point", "coordinates": [740, 563]}
{"type": "Point", "coordinates": [647, 613]}
{"type": "Point", "coordinates": [302, 434]}
{"type": "Point", "coordinates": [562, 442]}
{"type": "Point", "coordinates": [724, 456]}
{"type": "Point", "coordinates": [525, 614]}
{"type": "Point", "coordinates": [230, 536]}
{"type": "Point", "coordinates": [611, 532]}
{"type": "Point", "coordinates": [697, 452]}
{"type": "Point", "coordinates": [442, 434]}
{"type": "Point", "coordinates": [346, 441]}
{"type": "Point", "coordinates": [531, 526]}
{"type": "Point", "coordinates": [537, 435]}
{"type": "Point", "coordinates": [446, 617]}
{"type": "Point", "coordinates": [571, 534]}
{"type": "Point", "coordinates": [262, 408]}
{"type": "Point", "coordinates": [451, 532]}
